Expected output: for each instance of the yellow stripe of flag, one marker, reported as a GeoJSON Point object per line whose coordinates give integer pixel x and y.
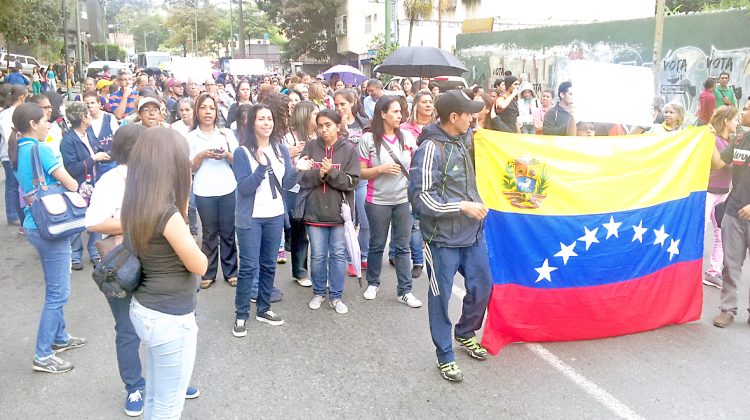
{"type": "Point", "coordinates": [549, 175]}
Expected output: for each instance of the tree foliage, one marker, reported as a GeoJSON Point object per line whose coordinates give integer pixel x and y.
{"type": "Point", "coordinates": [686, 6]}
{"type": "Point", "coordinates": [114, 52]}
{"type": "Point", "coordinates": [30, 21]}
{"type": "Point", "coordinates": [308, 25]}
{"type": "Point", "coordinates": [416, 10]}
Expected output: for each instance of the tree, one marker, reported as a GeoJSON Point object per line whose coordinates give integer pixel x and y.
{"type": "Point", "coordinates": [686, 6]}
{"type": "Point", "coordinates": [113, 50]}
{"type": "Point", "coordinates": [184, 16]}
{"type": "Point", "coordinates": [29, 21]}
{"type": "Point", "coordinates": [416, 10]}
{"type": "Point", "coordinates": [378, 44]}
{"type": "Point", "coordinates": [308, 25]}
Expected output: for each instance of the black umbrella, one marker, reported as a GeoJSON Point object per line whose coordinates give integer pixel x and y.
{"type": "Point", "coordinates": [421, 62]}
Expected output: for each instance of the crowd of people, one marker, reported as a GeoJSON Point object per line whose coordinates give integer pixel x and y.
{"type": "Point", "coordinates": [270, 167]}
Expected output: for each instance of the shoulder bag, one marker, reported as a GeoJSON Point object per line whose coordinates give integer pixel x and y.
{"type": "Point", "coordinates": [119, 272]}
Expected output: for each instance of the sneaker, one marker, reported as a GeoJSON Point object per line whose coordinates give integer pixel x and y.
{"type": "Point", "coordinates": [316, 301]}
{"type": "Point", "coordinates": [364, 265]}
{"type": "Point", "coordinates": [305, 282]}
{"type": "Point", "coordinates": [473, 347]}
{"type": "Point", "coordinates": [450, 371]}
{"type": "Point", "coordinates": [95, 261]}
{"type": "Point", "coordinates": [239, 329]}
{"type": "Point", "coordinates": [371, 292]}
{"type": "Point", "coordinates": [723, 319]}
{"type": "Point", "coordinates": [73, 342]}
{"type": "Point", "coordinates": [269, 317]}
{"type": "Point", "coordinates": [350, 271]}
{"type": "Point", "coordinates": [192, 393]}
{"type": "Point", "coordinates": [410, 300]}
{"type": "Point", "coordinates": [713, 280]}
{"type": "Point", "coordinates": [416, 271]}
{"type": "Point", "coordinates": [281, 259]}
{"type": "Point", "coordinates": [76, 265]}
{"type": "Point", "coordinates": [51, 364]}
{"type": "Point", "coordinates": [276, 295]}
{"type": "Point", "coordinates": [339, 306]}
{"type": "Point", "coordinates": [134, 403]}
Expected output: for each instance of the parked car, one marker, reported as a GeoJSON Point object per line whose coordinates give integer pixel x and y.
{"type": "Point", "coordinates": [27, 62]}
{"type": "Point", "coordinates": [95, 68]}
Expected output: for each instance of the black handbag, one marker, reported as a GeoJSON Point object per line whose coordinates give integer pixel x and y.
{"type": "Point", "coordinates": [57, 212]}
{"type": "Point", "coordinates": [119, 272]}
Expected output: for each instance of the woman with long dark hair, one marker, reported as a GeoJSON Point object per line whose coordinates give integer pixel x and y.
{"type": "Point", "coordinates": [385, 156]}
{"type": "Point", "coordinates": [162, 308]}
{"type": "Point", "coordinates": [329, 175]}
{"type": "Point", "coordinates": [262, 168]}
{"type": "Point", "coordinates": [243, 97]}
{"type": "Point", "coordinates": [211, 152]}
{"type": "Point", "coordinates": [52, 337]}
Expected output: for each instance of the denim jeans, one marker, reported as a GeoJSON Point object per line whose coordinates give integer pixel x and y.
{"type": "Point", "coordinates": [76, 246]}
{"type": "Point", "coordinates": [217, 219]}
{"type": "Point", "coordinates": [298, 240]}
{"type": "Point", "coordinates": [258, 251]}
{"type": "Point", "coordinates": [55, 258]}
{"type": "Point", "coordinates": [328, 259]}
{"type": "Point", "coordinates": [127, 344]}
{"type": "Point", "coordinates": [382, 218]}
{"type": "Point", "coordinates": [12, 205]}
{"type": "Point", "coordinates": [192, 214]}
{"type": "Point", "coordinates": [415, 243]}
{"type": "Point", "coordinates": [364, 224]}
{"type": "Point", "coordinates": [170, 342]}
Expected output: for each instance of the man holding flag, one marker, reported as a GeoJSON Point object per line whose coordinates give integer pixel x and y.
{"type": "Point", "coordinates": [451, 214]}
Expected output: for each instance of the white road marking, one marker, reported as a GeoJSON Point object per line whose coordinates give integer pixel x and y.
{"type": "Point", "coordinates": [605, 398]}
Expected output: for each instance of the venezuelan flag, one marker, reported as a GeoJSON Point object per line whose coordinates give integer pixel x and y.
{"type": "Point", "coordinates": [592, 237]}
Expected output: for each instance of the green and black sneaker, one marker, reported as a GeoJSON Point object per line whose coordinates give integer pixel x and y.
{"type": "Point", "coordinates": [450, 371]}
{"type": "Point", "coordinates": [473, 347]}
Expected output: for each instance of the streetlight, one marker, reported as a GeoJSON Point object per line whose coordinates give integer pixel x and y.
{"type": "Point", "coordinates": [145, 34]}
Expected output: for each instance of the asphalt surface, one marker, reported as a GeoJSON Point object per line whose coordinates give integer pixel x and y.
{"type": "Point", "coordinates": [377, 361]}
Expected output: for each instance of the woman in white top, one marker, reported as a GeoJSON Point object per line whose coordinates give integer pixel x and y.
{"type": "Point", "coordinates": [211, 153]}
{"type": "Point", "coordinates": [262, 168]}
{"type": "Point", "coordinates": [185, 111]}
{"type": "Point", "coordinates": [384, 158]}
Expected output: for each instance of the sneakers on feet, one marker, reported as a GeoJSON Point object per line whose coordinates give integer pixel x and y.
{"type": "Point", "coordinates": [450, 371]}
{"type": "Point", "coordinates": [713, 280]}
{"type": "Point", "coordinates": [134, 403]}
{"type": "Point", "coordinates": [371, 292]}
{"type": "Point", "coordinates": [76, 265]}
{"type": "Point", "coordinates": [281, 259]}
{"type": "Point", "coordinates": [305, 282]}
{"type": "Point", "coordinates": [240, 328]}
{"type": "Point", "coordinates": [73, 342]}
{"type": "Point", "coordinates": [410, 300]}
{"type": "Point", "coordinates": [364, 265]}
{"type": "Point", "coordinates": [269, 317]}
{"type": "Point", "coordinates": [51, 364]}
{"type": "Point", "coordinates": [473, 347]}
{"type": "Point", "coordinates": [192, 393]}
{"type": "Point", "coordinates": [339, 306]}
{"type": "Point", "coordinates": [723, 319]}
{"type": "Point", "coordinates": [316, 301]}
{"type": "Point", "coordinates": [276, 295]}
{"type": "Point", "coordinates": [350, 271]}
{"type": "Point", "coordinates": [416, 271]}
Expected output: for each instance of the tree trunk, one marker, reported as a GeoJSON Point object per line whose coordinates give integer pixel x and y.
{"type": "Point", "coordinates": [411, 28]}
{"type": "Point", "coordinates": [184, 49]}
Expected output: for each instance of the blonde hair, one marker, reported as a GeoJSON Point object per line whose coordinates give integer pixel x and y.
{"type": "Point", "coordinates": [721, 115]}
{"type": "Point", "coordinates": [678, 109]}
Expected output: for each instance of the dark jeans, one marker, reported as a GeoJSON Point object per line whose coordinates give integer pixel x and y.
{"type": "Point", "coordinates": [442, 264]}
{"type": "Point", "coordinates": [127, 344]}
{"type": "Point", "coordinates": [192, 214]}
{"type": "Point", "coordinates": [415, 243]}
{"type": "Point", "coordinates": [259, 246]}
{"type": "Point", "coordinates": [382, 218]}
{"type": "Point", "coordinates": [12, 205]}
{"type": "Point", "coordinates": [299, 241]}
{"type": "Point", "coordinates": [76, 246]}
{"type": "Point", "coordinates": [217, 219]}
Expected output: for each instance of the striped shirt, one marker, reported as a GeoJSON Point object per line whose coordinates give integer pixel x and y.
{"type": "Point", "coordinates": [116, 98]}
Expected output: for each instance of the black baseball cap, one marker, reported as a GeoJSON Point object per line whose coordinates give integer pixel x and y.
{"type": "Point", "coordinates": [457, 101]}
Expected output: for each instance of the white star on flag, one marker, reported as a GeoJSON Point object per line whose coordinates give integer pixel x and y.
{"type": "Point", "coordinates": [612, 227]}
{"type": "Point", "coordinates": [544, 272]}
{"type": "Point", "coordinates": [589, 237]}
{"type": "Point", "coordinates": [639, 231]}
{"type": "Point", "coordinates": [673, 250]}
{"type": "Point", "coordinates": [566, 252]}
{"type": "Point", "coordinates": [661, 236]}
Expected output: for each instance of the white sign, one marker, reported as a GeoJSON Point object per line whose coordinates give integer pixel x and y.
{"type": "Point", "coordinates": [196, 68]}
{"type": "Point", "coordinates": [612, 93]}
{"type": "Point", "coordinates": [247, 67]}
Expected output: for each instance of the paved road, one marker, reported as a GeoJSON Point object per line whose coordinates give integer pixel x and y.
{"type": "Point", "coordinates": [375, 362]}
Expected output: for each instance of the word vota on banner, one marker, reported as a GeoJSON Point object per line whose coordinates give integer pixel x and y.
{"type": "Point", "coordinates": [592, 237]}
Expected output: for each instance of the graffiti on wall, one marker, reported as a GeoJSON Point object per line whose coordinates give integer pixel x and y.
{"type": "Point", "coordinates": [681, 77]}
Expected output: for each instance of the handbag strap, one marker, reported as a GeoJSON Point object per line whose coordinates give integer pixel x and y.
{"type": "Point", "coordinates": [37, 173]}
{"type": "Point", "coordinates": [395, 159]}
{"type": "Point", "coordinates": [272, 179]}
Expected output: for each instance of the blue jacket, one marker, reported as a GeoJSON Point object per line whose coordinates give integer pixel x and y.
{"type": "Point", "coordinates": [442, 175]}
{"type": "Point", "coordinates": [248, 182]}
{"type": "Point", "coordinates": [76, 156]}
{"type": "Point", "coordinates": [16, 78]}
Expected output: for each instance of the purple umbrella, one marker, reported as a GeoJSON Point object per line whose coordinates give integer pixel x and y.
{"type": "Point", "coordinates": [348, 74]}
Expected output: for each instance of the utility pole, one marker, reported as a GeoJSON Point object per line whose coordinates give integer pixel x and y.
{"type": "Point", "coordinates": [388, 23]}
{"type": "Point", "coordinates": [106, 33]}
{"type": "Point", "coordinates": [231, 32]}
{"type": "Point", "coordinates": [241, 30]}
{"type": "Point", "coordinates": [440, 23]}
{"type": "Point", "coordinates": [78, 38]}
{"type": "Point", "coordinates": [658, 37]}
{"type": "Point", "coordinates": [65, 43]}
